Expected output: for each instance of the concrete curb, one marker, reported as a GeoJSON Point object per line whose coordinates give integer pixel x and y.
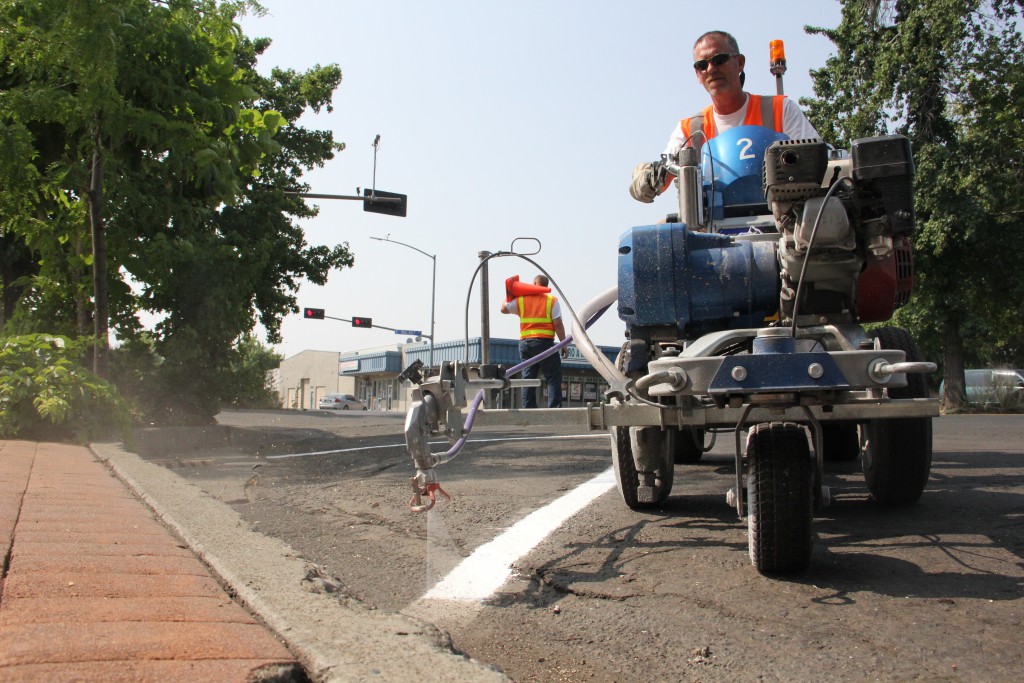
{"type": "Point", "coordinates": [335, 638]}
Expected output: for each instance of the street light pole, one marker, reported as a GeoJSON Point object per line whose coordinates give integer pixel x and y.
{"type": "Point", "coordinates": [433, 286]}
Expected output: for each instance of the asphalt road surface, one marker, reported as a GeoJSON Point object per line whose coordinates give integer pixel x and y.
{"type": "Point", "coordinates": [930, 592]}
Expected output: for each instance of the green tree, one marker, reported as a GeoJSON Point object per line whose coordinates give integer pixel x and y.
{"type": "Point", "coordinates": [250, 382]}
{"type": "Point", "coordinates": [144, 128]}
{"type": "Point", "coordinates": [948, 75]}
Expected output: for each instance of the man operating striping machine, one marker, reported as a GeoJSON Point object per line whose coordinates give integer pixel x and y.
{"type": "Point", "coordinates": [744, 313]}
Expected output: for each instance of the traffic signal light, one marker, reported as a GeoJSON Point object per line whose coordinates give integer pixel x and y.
{"type": "Point", "coordinates": [393, 204]}
{"type": "Point", "coordinates": [313, 313]}
{"type": "Point", "coordinates": [362, 322]}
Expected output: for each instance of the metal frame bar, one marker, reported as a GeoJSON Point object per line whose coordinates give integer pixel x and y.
{"type": "Point", "coordinates": [603, 416]}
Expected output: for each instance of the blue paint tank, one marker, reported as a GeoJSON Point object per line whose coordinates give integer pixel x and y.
{"type": "Point", "coordinates": [698, 282]}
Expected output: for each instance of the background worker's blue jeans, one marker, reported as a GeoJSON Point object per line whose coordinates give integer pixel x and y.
{"type": "Point", "coordinates": [551, 366]}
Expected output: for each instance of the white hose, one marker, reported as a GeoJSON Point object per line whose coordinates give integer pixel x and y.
{"type": "Point", "coordinates": [597, 360]}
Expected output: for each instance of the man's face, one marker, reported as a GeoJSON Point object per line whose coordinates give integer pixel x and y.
{"type": "Point", "coordinates": [719, 80]}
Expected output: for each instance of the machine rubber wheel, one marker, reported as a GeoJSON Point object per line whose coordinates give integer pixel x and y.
{"type": "Point", "coordinates": [622, 462]}
{"type": "Point", "coordinates": [629, 479]}
{"type": "Point", "coordinates": [779, 497]}
{"type": "Point", "coordinates": [897, 453]}
{"type": "Point", "coordinates": [688, 447]}
{"type": "Point", "coordinates": [842, 443]}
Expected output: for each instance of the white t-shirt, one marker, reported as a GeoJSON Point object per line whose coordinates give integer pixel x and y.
{"type": "Point", "coordinates": [794, 124]}
{"type": "Point", "coordinates": [513, 307]}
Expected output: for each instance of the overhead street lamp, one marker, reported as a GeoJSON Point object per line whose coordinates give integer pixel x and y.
{"type": "Point", "coordinates": [433, 284]}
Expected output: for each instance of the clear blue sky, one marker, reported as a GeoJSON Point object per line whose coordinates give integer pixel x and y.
{"type": "Point", "coordinates": [501, 120]}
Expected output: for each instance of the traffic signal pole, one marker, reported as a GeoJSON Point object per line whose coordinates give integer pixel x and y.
{"type": "Point", "coordinates": [352, 320]}
{"type": "Point", "coordinates": [374, 200]}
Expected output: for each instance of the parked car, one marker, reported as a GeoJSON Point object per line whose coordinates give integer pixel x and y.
{"type": "Point", "coordinates": [341, 402]}
{"type": "Point", "coordinates": [992, 386]}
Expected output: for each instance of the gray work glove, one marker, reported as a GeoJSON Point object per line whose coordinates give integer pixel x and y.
{"type": "Point", "coordinates": [648, 179]}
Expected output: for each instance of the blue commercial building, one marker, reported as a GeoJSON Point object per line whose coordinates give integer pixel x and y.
{"type": "Point", "coordinates": [374, 373]}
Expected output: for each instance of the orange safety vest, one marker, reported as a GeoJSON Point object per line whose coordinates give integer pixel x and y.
{"type": "Point", "coordinates": [761, 111]}
{"type": "Point", "coordinates": [535, 321]}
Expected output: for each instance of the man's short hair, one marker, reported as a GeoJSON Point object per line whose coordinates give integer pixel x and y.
{"type": "Point", "coordinates": [733, 45]}
{"type": "Point", "coordinates": [541, 280]}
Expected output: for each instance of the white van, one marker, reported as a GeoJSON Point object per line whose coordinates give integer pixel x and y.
{"type": "Point", "coordinates": [994, 386]}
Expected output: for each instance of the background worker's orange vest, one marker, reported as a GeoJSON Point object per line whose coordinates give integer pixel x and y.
{"type": "Point", "coordinates": [535, 321]}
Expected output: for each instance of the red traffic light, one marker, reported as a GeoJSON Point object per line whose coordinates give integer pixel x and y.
{"type": "Point", "coordinates": [362, 322]}
{"type": "Point", "coordinates": [313, 313]}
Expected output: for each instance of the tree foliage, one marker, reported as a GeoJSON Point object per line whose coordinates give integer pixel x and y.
{"type": "Point", "coordinates": [249, 378]}
{"type": "Point", "coordinates": [45, 392]}
{"type": "Point", "coordinates": [197, 148]}
{"type": "Point", "coordinates": [948, 75]}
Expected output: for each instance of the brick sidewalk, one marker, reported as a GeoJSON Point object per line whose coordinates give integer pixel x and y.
{"type": "Point", "coordinates": [95, 588]}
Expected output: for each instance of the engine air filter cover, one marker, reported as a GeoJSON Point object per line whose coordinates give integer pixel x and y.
{"type": "Point", "coordinates": [883, 167]}
{"type": "Point", "coordinates": [885, 156]}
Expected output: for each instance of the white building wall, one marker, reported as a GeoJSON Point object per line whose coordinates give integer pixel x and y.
{"type": "Point", "coordinates": [309, 375]}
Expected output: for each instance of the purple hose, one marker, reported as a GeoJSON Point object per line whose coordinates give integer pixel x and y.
{"type": "Point", "coordinates": [467, 427]}
{"type": "Point", "coordinates": [539, 357]}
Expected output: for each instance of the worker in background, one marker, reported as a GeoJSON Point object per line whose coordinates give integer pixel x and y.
{"type": "Point", "coordinates": [719, 66]}
{"type": "Point", "coordinates": [540, 321]}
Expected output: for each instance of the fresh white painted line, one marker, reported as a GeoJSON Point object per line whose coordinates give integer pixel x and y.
{"type": "Point", "coordinates": [483, 572]}
{"type": "Point", "coordinates": [436, 443]}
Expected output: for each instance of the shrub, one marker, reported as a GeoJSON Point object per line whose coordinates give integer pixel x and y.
{"type": "Point", "coordinates": [46, 392]}
{"type": "Point", "coordinates": [1003, 394]}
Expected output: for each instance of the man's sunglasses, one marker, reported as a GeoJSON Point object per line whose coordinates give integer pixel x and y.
{"type": "Point", "coordinates": [717, 60]}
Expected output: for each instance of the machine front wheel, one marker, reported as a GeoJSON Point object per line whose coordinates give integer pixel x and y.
{"type": "Point", "coordinates": [650, 483]}
{"type": "Point", "coordinates": [779, 497]}
{"type": "Point", "coordinates": [897, 453]}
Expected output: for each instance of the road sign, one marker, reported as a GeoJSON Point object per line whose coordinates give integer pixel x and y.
{"type": "Point", "coordinates": [414, 333]}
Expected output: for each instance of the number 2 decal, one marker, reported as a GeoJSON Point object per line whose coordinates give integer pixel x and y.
{"type": "Point", "coordinates": [745, 144]}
